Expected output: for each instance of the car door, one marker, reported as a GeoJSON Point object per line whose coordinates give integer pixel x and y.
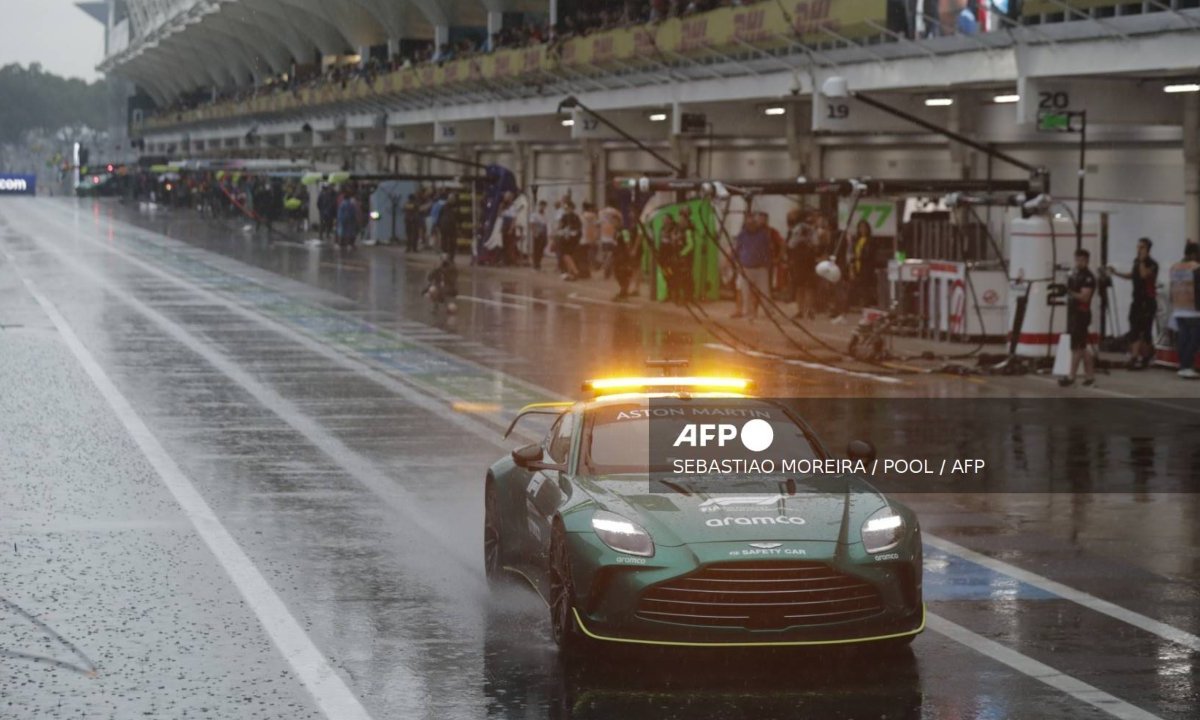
{"type": "Point", "coordinates": [543, 491]}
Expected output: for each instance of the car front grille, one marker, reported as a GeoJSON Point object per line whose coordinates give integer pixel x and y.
{"type": "Point", "coordinates": [761, 595]}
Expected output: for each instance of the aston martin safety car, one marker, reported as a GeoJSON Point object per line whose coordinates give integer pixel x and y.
{"type": "Point", "coordinates": [624, 548]}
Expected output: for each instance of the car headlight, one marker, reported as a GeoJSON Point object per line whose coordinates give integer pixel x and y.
{"type": "Point", "coordinates": [622, 535]}
{"type": "Point", "coordinates": [882, 530]}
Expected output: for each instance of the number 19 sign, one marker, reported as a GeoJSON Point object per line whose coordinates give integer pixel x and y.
{"type": "Point", "coordinates": [847, 115]}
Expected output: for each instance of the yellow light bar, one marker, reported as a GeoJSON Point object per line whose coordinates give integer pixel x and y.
{"type": "Point", "coordinates": [603, 385]}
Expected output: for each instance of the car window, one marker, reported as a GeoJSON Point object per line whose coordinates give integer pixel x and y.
{"type": "Point", "coordinates": [619, 435]}
{"type": "Point", "coordinates": [560, 438]}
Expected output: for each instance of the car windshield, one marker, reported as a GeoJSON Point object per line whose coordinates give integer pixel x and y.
{"type": "Point", "coordinates": [649, 436]}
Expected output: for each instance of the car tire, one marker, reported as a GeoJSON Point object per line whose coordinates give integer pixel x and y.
{"type": "Point", "coordinates": [563, 628]}
{"type": "Point", "coordinates": [494, 556]}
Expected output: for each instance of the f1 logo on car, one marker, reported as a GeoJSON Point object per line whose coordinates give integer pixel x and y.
{"type": "Point", "coordinates": [756, 435]}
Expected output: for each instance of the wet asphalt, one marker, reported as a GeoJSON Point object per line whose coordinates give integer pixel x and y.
{"type": "Point", "coordinates": [339, 429]}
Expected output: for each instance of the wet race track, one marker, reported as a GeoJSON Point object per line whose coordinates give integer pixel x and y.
{"type": "Point", "coordinates": [244, 479]}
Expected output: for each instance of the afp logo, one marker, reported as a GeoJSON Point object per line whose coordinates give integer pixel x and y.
{"type": "Point", "coordinates": [756, 435]}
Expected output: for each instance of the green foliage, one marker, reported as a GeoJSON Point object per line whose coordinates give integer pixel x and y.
{"type": "Point", "coordinates": [32, 99]}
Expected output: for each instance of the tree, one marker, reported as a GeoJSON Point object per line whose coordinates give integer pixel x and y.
{"type": "Point", "coordinates": [37, 100]}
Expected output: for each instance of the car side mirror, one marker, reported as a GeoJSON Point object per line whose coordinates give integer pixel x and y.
{"type": "Point", "coordinates": [526, 456]}
{"type": "Point", "coordinates": [861, 450]}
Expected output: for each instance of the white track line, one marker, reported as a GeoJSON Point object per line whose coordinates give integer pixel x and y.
{"type": "Point", "coordinates": [1078, 597]}
{"type": "Point", "coordinates": [1041, 672]}
{"type": "Point", "coordinates": [598, 301]}
{"type": "Point", "coordinates": [1118, 394]}
{"type": "Point", "coordinates": [319, 677]}
{"type": "Point", "coordinates": [494, 303]}
{"type": "Point", "coordinates": [537, 300]}
{"type": "Point", "coordinates": [886, 379]}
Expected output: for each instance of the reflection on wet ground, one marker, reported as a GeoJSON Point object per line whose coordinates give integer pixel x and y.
{"type": "Point", "coordinates": [340, 431]}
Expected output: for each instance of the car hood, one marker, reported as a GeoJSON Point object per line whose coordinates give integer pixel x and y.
{"type": "Point", "coordinates": [678, 513]}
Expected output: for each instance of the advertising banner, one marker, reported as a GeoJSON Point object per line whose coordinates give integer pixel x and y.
{"type": "Point", "coordinates": [1045, 7]}
{"type": "Point", "coordinates": [18, 184]}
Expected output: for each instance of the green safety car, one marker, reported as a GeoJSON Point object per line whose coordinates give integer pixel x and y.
{"type": "Point", "coordinates": [608, 520]}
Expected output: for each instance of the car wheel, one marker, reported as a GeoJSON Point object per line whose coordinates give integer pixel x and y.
{"type": "Point", "coordinates": [562, 597]}
{"type": "Point", "coordinates": [493, 537]}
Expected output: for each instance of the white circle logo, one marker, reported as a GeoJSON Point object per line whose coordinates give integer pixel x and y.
{"type": "Point", "coordinates": [757, 435]}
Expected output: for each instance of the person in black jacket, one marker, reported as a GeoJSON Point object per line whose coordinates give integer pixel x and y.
{"type": "Point", "coordinates": [1143, 310]}
{"type": "Point", "coordinates": [570, 230]}
{"type": "Point", "coordinates": [448, 226]}
{"type": "Point", "coordinates": [442, 284]}
{"type": "Point", "coordinates": [412, 223]}
{"type": "Point", "coordinates": [1081, 287]}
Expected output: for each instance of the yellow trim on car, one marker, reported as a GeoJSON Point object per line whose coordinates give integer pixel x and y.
{"type": "Point", "coordinates": [674, 643]}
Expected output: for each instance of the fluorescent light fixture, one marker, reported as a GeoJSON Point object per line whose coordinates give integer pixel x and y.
{"type": "Point", "coordinates": [658, 117]}
{"type": "Point", "coordinates": [775, 111]}
{"type": "Point", "coordinates": [569, 122]}
{"type": "Point", "coordinates": [1002, 99]}
{"type": "Point", "coordinates": [1184, 87]}
{"type": "Point", "coordinates": [939, 102]}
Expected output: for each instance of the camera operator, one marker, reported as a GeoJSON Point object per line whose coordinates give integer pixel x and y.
{"type": "Point", "coordinates": [1081, 286]}
{"type": "Point", "coordinates": [1142, 312]}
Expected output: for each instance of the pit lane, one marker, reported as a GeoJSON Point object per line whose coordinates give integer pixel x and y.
{"type": "Point", "coordinates": [312, 405]}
